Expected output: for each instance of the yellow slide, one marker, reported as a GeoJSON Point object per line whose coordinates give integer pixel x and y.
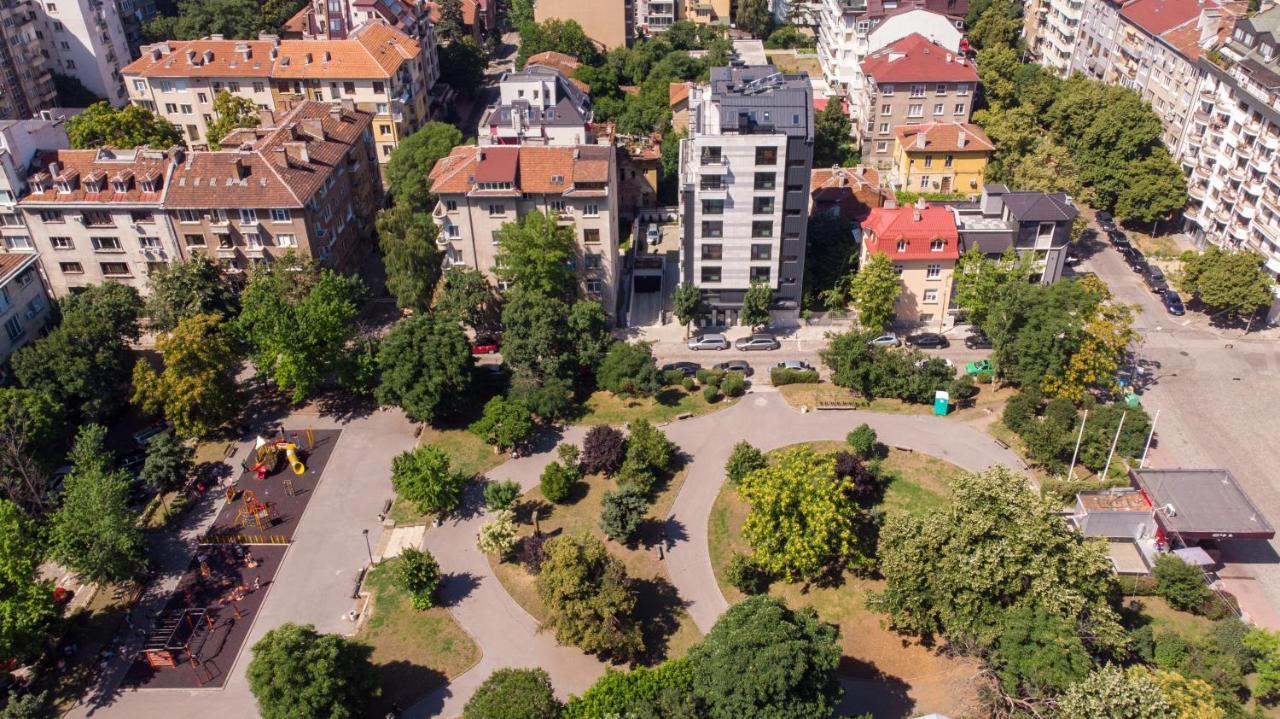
{"type": "Point", "coordinates": [291, 453]}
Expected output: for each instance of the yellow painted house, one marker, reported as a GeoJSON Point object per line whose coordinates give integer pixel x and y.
{"type": "Point", "coordinates": [948, 157]}
{"type": "Point", "coordinates": [708, 12]}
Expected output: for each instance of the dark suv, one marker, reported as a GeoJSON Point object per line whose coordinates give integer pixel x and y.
{"type": "Point", "coordinates": [978, 341]}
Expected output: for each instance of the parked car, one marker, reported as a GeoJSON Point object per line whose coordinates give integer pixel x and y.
{"type": "Point", "coordinates": [1155, 280]}
{"type": "Point", "coordinates": [798, 365]}
{"type": "Point", "coordinates": [708, 342]}
{"type": "Point", "coordinates": [1104, 219]}
{"type": "Point", "coordinates": [484, 345]}
{"type": "Point", "coordinates": [928, 340]}
{"type": "Point", "coordinates": [736, 366]}
{"type": "Point", "coordinates": [757, 342]}
{"type": "Point", "coordinates": [979, 367]}
{"type": "Point", "coordinates": [653, 234]}
{"type": "Point", "coordinates": [977, 341]}
{"type": "Point", "coordinates": [887, 339]}
{"type": "Point", "coordinates": [688, 368]}
{"type": "Point", "coordinates": [133, 461]}
{"type": "Point", "coordinates": [1173, 303]}
{"type": "Point", "coordinates": [1117, 238]}
{"type": "Point", "coordinates": [144, 435]}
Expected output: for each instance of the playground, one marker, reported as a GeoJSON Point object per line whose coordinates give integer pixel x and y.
{"type": "Point", "coordinates": [194, 641]}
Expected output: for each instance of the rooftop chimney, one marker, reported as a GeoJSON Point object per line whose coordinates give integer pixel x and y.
{"type": "Point", "coordinates": [920, 205]}
{"type": "Point", "coordinates": [297, 150]}
{"type": "Point", "coordinates": [216, 36]}
{"type": "Point", "coordinates": [915, 215]}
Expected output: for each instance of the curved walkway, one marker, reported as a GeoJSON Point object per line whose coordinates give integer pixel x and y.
{"type": "Point", "coordinates": [508, 636]}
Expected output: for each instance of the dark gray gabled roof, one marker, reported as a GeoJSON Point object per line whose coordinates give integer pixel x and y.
{"type": "Point", "coordinates": [1040, 207]}
{"type": "Point", "coordinates": [746, 94]}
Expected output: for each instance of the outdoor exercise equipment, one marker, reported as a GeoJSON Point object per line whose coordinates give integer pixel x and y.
{"type": "Point", "coordinates": [167, 643]}
{"type": "Point", "coordinates": [253, 512]}
{"type": "Point", "coordinates": [265, 459]}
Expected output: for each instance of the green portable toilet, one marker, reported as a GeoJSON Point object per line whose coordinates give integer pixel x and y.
{"type": "Point", "coordinates": [941, 402]}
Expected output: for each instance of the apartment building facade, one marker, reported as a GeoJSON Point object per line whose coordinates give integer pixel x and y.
{"type": "Point", "coordinates": [26, 83]}
{"type": "Point", "coordinates": [708, 12]}
{"type": "Point", "coordinates": [20, 142]}
{"type": "Point", "coordinates": [1229, 150]}
{"type": "Point", "coordinates": [378, 68]}
{"type": "Point", "coordinates": [944, 157]}
{"type": "Point", "coordinates": [24, 303]}
{"type": "Point", "coordinates": [483, 188]}
{"type": "Point", "coordinates": [910, 81]}
{"type": "Point", "coordinates": [537, 106]}
{"type": "Point", "coordinates": [655, 16]}
{"type": "Point", "coordinates": [612, 24]}
{"type": "Point", "coordinates": [85, 39]}
{"type": "Point", "coordinates": [922, 242]}
{"type": "Point", "coordinates": [1037, 225]}
{"type": "Point", "coordinates": [744, 188]}
{"type": "Point", "coordinates": [849, 30]}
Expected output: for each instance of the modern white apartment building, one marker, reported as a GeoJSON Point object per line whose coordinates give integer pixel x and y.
{"type": "Point", "coordinates": [537, 106]}
{"type": "Point", "coordinates": [85, 39]}
{"type": "Point", "coordinates": [1051, 28]}
{"type": "Point", "coordinates": [655, 16]}
{"type": "Point", "coordinates": [379, 68]}
{"type": "Point", "coordinates": [744, 187]}
{"type": "Point", "coordinates": [849, 30]}
{"type": "Point", "coordinates": [1232, 142]}
{"type": "Point", "coordinates": [20, 142]}
{"type": "Point", "coordinates": [483, 188]}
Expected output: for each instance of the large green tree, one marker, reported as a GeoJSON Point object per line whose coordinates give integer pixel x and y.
{"type": "Point", "coordinates": [426, 477]}
{"type": "Point", "coordinates": [1115, 693]}
{"type": "Point", "coordinates": [998, 546]}
{"type": "Point", "coordinates": [196, 389]}
{"type": "Point", "coordinates": [590, 333]}
{"type": "Point", "coordinates": [26, 601]}
{"type": "Point", "coordinates": [804, 520]}
{"type": "Point", "coordinates": [426, 367]}
{"type": "Point", "coordinates": [514, 694]}
{"type": "Point", "coordinates": [754, 16]}
{"type": "Point", "coordinates": [30, 427]}
{"type": "Point", "coordinates": [536, 340]}
{"type": "Point", "coordinates": [874, 290]}
{"type": "Point", "coordinates": [462, 65]}
{"type": "Point", "coordinates": [467, 296]}
{"type": "Point", "coordinates": [407, 172]}
{"type": "Point", "coordinates": [94, 533]}
{"type": "Point", "coordinates": [980, 281]}
{"type": "Point", "coordinates": [178, 290]}
{"type": "Point", "coordinates": [687, 303]}
{"type": "Point", "coordinates": [297, 321]}
{"type": "Point", "coordinates": [1156, 188]}
{"type": "Point", "coordinates": [832, 135]}
{"type": "Point", "coordinates": [505, 423]}
{"type": "Point", "coordinates": [755, 305]}
{"type": "Point", "coordinates": [168, 463]}
{"type": "Point", "coordinates": [664, 691]}
{"type": "Point", "coordinates": [762, 660]}
{"type": "Point", "coordinates": [1035, 329]}
{"type": "Point", "coordinates": [102, 125]}
{"type": "Point", "coordinates": [410, 255]}
{"type": "Point", "coordinates": [629, 370]}
{"type": "Point", "coordinates": [231, 112]}
{"type": "Point", "coordinates": [449, 26]}
{"type": "Point", "coordinates": [589, 599]}
{"type": "Point", "coordinates": [1233, 283]}
{"type": "Point", "coordinates": [233, 19]}
{"type": "Point", "coordinates": [538, 254]}
{"type": "Point", "coordinates": [297, 673]}
{"type": "Point", "coordinates": [560, 35]}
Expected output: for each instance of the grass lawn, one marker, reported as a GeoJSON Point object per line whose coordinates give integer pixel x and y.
{"type": "Point", "coordinates": [468, 454]}
{"type": "Point", "coordinates": [908, 679]}
{"type": "Point", "coordinates": [1165, 618]}
{"type": "Point", "coordinates": [670, 402]}
{"type": "Point", "coordinates": [786, 62]}
{"type": "Point", "coordinates": [669, 630]}
{"type": "Point", "coordinates": [809, 395]}
{"type": "Point", "coordinates": [413, 651]}
{"type": "Point", "coordinates": [91, 628]}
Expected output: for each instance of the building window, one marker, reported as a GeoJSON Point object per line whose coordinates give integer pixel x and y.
{"type": "Point", "coordinates": [98, 218]}
{"type": "Point", "coordinates": [941, 88]}
{"type": "Point", "coordinates": [592, 261]}
{"type": "Point", "coordinates": [962, 88]}
{"type": "Point", "coordinates": [51, 215]}
{"type": "Point", "coordinates": [248, 216]}
{"type": "Point", "coordinates": [902, 245]}
{"type": "Point", "coordinates": [897, 270]}
{"type": "Point", "coordinates": [451, 205]}
{"type": "Point", "coordinates": [62, 243]}
{"type": "Point", "coordinates": [766, 155]}
{"type": "Point", "coordinates": [930, 297]}
{"type": "Point", "coordinates": [139, 85]}
{"type": "Point", "coordinates": [711, 156]}
{"type": "Point", "coordinates": [886, 109]}
{"type": "Point", "coordinates": [951, 159]}
{"type": "Point", "coordinates": [760, 251]}
{"type": "Point", "coordinates": [384, 128]}
{"type": "Point", "coordinates": [766, 180]}
{"type": "Point", "coordinates": [917, 90]}
{"type": "Point", "coordinates": [149, 243]}
{"type": "Point", "coordinates": [939, 108]}
{"type": "Point", "coordinates": [1044, 231]}
{"type": "Point", "coordinates": [591, 236]}
{"type": "Point", "coordinates": [760, 274]}
{"type": "Point", "coordinates": [937, 245]}
{"type": "Point", "coordinates": [286, 240]}
{"type": "Point", "coordinates": [186, 109]}
{"type": "Point", "coordinates": [712, 228]}
{"type": "Point", "coordinates": [281, 215]}
{"type": "Point", "coordinates": [762, 228]}
{"type": "Point", "coordinates": [194, 240]}
{"type": "Point", "coordinates": [497, 209]}
{"type": "Point", "coordinates": [884, 128]}
{"type": "Point", "coordinates": [713, 252]}
{"type": "Point", "coordinates": [915, 110]}
{"type": "Point", "coordinates": [882, 146]}
{"type": "Point", "coordinates": [960, 108]}
{"type": "Point", "coordinates": [171, 108]}
{"type": "Point", "coordinates": [928, 160]}
{"type": "Point", "coordinates": [13, 327]}
{"type": "Point", "coordinates": [590, 210]}
{"type": "Point", "coordinates": [18, 242]}
{"type": "Point", "coordinates": [594, 287]}
{"type": "Point", "coordinates": [886, 89]}
{"type": "Point", "coordinates": [495, 237]}
{"type": "Point", "coordinates": [710, 274]}
{"type": "Point", "coordinates": [115, 269]}
{"type": "Point", "coordinates": [136, 216]}
{"type": "Point", "coordinates": [233, 86]}
{"type": "Point", "coordinates": [188, 216]}
{"type": "Point", "coordinates": [557, 206]}
{"type": "Point", "coordinates": [762, 206]}
{"type": "Point", "coordinates": [924, 181]}
{"type": "Point", "coordinates": [933, 272]}
{"type": "Point", "coordinates": [349, 88]}
{"type": "Point", "coordinates": [711, 182]}
{"type": "Point", "coordinates": [71, 268]}
{"type": "Point", "coordinates": [106, 244]}
{"type": "Point", "coordinates": [713, 207]}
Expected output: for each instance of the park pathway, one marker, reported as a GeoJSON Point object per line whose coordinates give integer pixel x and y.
{"type": "Point", "coordinates": [508, 636]}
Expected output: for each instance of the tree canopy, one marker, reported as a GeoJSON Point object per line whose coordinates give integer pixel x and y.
{"type": "Point", "coordinates": [407, 172]}
{"type": "Point", "coordinates": [755, 17]}
{"type": "Point", "coordinates": [1226, 281]}
{"type": "Point", "coordinates": [874, 290]}
{"type": "Point", "coordinates": [233, 19]}
{"type": "Point", "coordinates": [297, 673]}
{"type": "Point", "coordinates": [466, 296]}
{"type": "Point", "coordinates": [193, 286]}
{"type": "Point", "coordinates": [30, 431]}
{"type": "Point", "coordinates": [196, 389]}
{"type": "Point", "coordinates": [564, 36]}
{"type": "Point", "coordinates": [462, 65]}
{"type": "Point", "coordinates": [514, 694]}
{"type": "Point", "coordinates": [102, 125]}
{"type": "Point", "coordinates": [231, 112]}
{"type": "Point", "coordinates": [833, 136]}
{"type": "Point", "coordinates": [426, 366]}
{"type": "Point", "coordinates": [538, 254]}
{"type": "Point", "coordinates": [755, 305]}
{"type": "Point", "coordinates": [629, 370]}
{"type": "Point", "coordinates": [589, 598]}
{"type": "Point", "coordinates": [410, 255]}
{"type": "Point", "coordinates": [426, 477]}
{"type": "Point", "coordinates": [26, 602]}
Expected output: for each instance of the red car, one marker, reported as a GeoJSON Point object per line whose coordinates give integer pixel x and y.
{"type": "Point", "coordinates": [484, 346]}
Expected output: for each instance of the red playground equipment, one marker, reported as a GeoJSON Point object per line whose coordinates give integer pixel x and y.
{"type": "Point", "coordinates": [266, 455]}
{"type": "Point", "coordinates": [253, 512]}
{"type": "Point", "coordinates": [169, 643]}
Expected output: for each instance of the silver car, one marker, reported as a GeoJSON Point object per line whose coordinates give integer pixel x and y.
{"type": "Point", "coordinates": [888, 339]}
{"type": "Point", "coordinates": [797, 365]}
{"type": "Point", "coordinates": [709, 342]}
{"type": "Point", "coordinates": [757, 342]}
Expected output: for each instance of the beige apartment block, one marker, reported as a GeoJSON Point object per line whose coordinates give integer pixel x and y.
{"type": "Point", "coordinates": [26, 80]}
{"type": "Point", "coordinates": [483, 188]}
{"type": "Point", "coordinates": [378, 68]}
{"type": "Point", "coordinates": [24, 303]}
{"type": "Point", "coordinates": [610, 23]}
{"type": "Point", "coordinates": [923, 243]}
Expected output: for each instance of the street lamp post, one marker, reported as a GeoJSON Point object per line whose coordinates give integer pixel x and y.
{"type": "Point", "coordinates": [367, 548]}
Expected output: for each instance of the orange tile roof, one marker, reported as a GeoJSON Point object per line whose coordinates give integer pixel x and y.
{"type": "Point", "coordinates": [12, 262]}
{"type": "Point", "coordinates": [678, 92]}
{"type": "Point", "coordinates": [79, 165]}
{"type": "Point", "coordinates": [840, 177]}
{"type": "Point", "coordinates": [375, 49]}
{"type": "Point", "coordinates": [543, 170]}
{"type": "Point", "coordinates": [268, 170]}
{"type": "Point", "coordinates": [944, 137]}
{"type": "Point", "coordinates": [918, 227]}
{"type": "Point", "coordinates": [563, 62]}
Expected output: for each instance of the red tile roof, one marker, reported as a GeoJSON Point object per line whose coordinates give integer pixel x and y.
{"type": "Point", "coordinates": [76, 166]}
{"type": "Point", "coordinates": [1160, 16]}
{"type": "Point", "coordinates": [886, 226]}
{"type": "Point", "coordinates": [944, 137]}
{"type": "Point", "coordinates": [915, 59]}
{"type": "Point", "coordinates": [678, 92]}
{"type": "Point", "coordinates": [563, 62]}
{"type": "Point", "coordinates": [13, 262]}
{"type": "Point", "coordinates": [543, 170]}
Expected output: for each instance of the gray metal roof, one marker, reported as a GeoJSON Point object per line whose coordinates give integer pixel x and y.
{"type": "Point", "coordinates": [1040, 206]}
{"type": "Point", "coordinates": [747, 94]}
{"type": "Point", "coordinates": [1202, 504]}
{"type": "Point", "coordinates": [573, 106]}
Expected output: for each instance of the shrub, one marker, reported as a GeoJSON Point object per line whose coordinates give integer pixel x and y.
{"type": "Point", "coordinates": [557, 482]}
{"type": "Point", "coordinates": [505, 423]}
{"type": "Point", "coordinates": [733, 384]}
{"type": "Point", "coordinates": [531, 551]}
{"type": "Point", "coordinates": [498, 536]}
{"type": "Point", "coordinates": [629, 370]}
{"type": "Point", "coordinates": [1020, 411]}
{"type": "Point", "coordinates": [710, 377]}
{"type": "Point", "coordinates": [648, 446]}
{"type": "Point", "coordinates": [1181, 584]}
{"type": "Point", "coordinates": [501, 495]}
{"type": "Point", "coordinates": [688, 384]}
{"type": "Point", "coordinates": [674, 377]}
{"type": "Point", "coordinates": [635, 473]}
{"type": "Point", "coordinates": [568, 454]}
{"type": "Point", "coordinates": [603, 450]}
{"type": "Point", "coordinates": [419, 575]}
{"type": "Point", "coordinates": [1171, 650]}
{"type": "Point", "coordinates": [1134, 585]}
{"type": "Point", "coordinates": [863, 441]}
{"type": "Point", "coordinates": [780, 376]}
{"type": "Point", "coordinates": [743, 460]}
{"type": "Point", "coordinates": [425, 477]}
{"type": "Point", "coordinates": [711, 394]}
{"type": "Point", "coordinates": [962, 389]}
{"type": "Point", "coordinates": [514, 694]}
{"type": "Point", "coordinates": [747, 576]}
{"type": "Point", "coordinates": [622, 511]}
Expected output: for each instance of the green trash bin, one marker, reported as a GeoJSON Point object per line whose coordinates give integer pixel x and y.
{"type": "Point", "coordinates": [1131, 400]}
{"type": "Point", "coordinates": [941, 402]}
